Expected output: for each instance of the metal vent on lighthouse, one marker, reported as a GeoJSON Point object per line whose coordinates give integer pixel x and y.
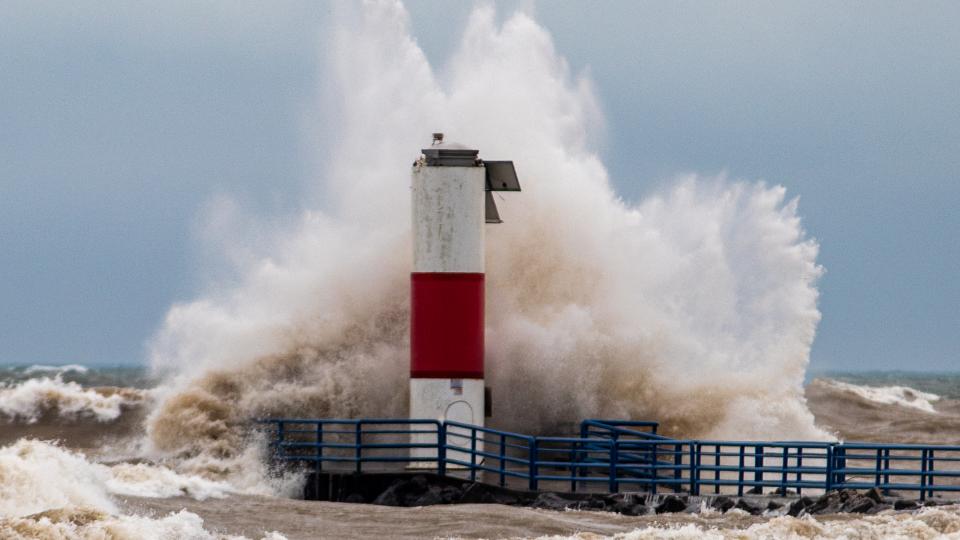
{"type": "Point", "coordinates": [498, 175]}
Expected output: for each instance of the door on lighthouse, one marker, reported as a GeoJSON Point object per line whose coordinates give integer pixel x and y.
{"type": "Point", "coordinates": [462, 412]}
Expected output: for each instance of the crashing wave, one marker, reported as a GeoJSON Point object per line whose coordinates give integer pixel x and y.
{"type": "Point", "coordinates": [38, 368]}
{"type": "Point", "coordinates": [31, 399]}
{"type": "Point", "coordinates": [902, 396]}
{"type": "Point", "coordinates": [696, 307]}
{"type": "Point", "coordinates": [36, 476]}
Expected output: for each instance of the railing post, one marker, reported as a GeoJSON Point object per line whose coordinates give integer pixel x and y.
{"type": "Point", "coordinates": [694, 468]}
{"type": "Point", "coordinates": [716, 470]}
{"type": "Point", "coordinates": [503, 464]}
{"type": "Point", "coordinates": [677, 467]}
{"type": "Point", "coordinates": [442, 448]}
{"type": "Point", "coordinates": [740, 471]}
{"type": "Point", "coordinates": [655, 475]}
{"type": "Point", "coordinates": [614, 459]}
{"type": "Point", "coordinates": [876, 473]}
{"type": "Point", "coordinates": [799, 472]}
{"type": "Point", "coordinates": [843, 466]}
{"type": "Point", "coordinates": [930, 469]}
{"type": "Point", "coordinates": [532, 465]}
{"type": "Point", "coordinates": [923, 474]}
{"type": "Point", "coordinates": [319, 446]}
{"type": "Point", "coordinates": [886, 469]}
{"type": "Point", "coordinates": [828, 483]}
{"type": "Point", "coordinates": [573, 467]}
{"type": "Point", "coordinates": [473, 454]}
{"type": "Point", "coordinates": [358, 445]}
{"type": "Point", "coordinates": [758, 465]}
{"type": "Point", "coordinates": [785, 457]}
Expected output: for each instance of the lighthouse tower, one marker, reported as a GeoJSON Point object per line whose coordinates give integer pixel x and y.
{"type": "Point", "coordinates": [452, 201]}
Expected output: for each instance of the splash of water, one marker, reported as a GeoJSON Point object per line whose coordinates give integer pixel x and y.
{"type": "Point", "coordinates": [696, 306]}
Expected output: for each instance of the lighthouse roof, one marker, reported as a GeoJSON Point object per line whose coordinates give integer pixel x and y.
{"type": "Point", "coordinates": [450, 154]}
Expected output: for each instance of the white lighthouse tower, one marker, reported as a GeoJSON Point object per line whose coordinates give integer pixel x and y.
{"type": "Point", "coordinates": [452, 201]}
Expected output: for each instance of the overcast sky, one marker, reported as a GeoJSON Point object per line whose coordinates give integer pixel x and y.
{"type": "Point", "coordinates": [121, 122]}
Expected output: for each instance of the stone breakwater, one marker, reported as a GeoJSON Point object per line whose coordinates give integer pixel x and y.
{"type": "Point", "coordinates": [414, 490]}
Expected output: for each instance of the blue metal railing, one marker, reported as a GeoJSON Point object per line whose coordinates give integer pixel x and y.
{"type": "Point", "coordinates": [611, 455]}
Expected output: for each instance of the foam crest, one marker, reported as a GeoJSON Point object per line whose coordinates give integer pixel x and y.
{"type": "Point", "coordinates": [696, 306]}
{"type": "Point", "coordinates": [32, 399]}
{"type": "Point", "coordinates": [902, 396]}
{"type": "Point", "coordinates": [37, 476]}
{"type": "Point", "coordinates": [941, 523]}
{"type": "Point", "coordinates": [38, 368]}
{"type": "Point", "coordinates": [83, 523]}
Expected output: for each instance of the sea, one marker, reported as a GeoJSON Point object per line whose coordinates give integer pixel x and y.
{"type": "Point", "coordinates": [73, 464]}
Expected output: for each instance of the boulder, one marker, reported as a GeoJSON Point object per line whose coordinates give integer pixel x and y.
{"type": "Point", "coordinates": [799, 506]}
{"type": "Point", "coordinates": [722, 503]}
{"type": "Point", "coordinates": [390, 496]}
{"type": "Point", "coordinates": [671, 504]}
{"type": "Point", "coordinates": [550, 501]}
{"type": "Point", "coordinates": [748, 507]}
{"type": "Point", "coordinates": [874, 494]}
{"type": "Point", "coordinates": [905, 504]}
{"type": "Point", "coordinates": [773, 505]}
{"type": "Point", "coordinates": [429, 498]}
{"type": "Point", "coordinates": [859, 504]}
{"type": "Point", "coordinates": [828, 503]}
{"type": "Point", "coordinates": [638, 509]}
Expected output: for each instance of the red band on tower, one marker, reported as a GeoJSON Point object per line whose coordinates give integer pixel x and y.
{"type": "Point", "coordinates": [446, 325]}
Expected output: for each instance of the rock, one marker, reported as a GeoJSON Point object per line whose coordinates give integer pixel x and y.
{"type": "Point", "coordinates": [722, 503]}
{"type": "Point", "coordinates": [550, 501]}
{"type": "Point", "coordinates": [874, 494]}
{"type": "Point", "coordinates": [450, 494]}
{"type": "Point", "coordinates": [755, 490]}
{"type": "Point", "coordinates": [638, 509]}
{"type": "Point", "coordinates": [905, 504]}
{"type": "Point", "coordinates": [404, 492]}
{"type": "Point", "coordinates": [622, 505]}
{"type": "Point", "coordinates": [859, 504]}
{"type": "Point", "coordinates": [783, 492]}
{"type": "Point", "coordinates": [590, 503]}
{"type": "Point", "coordinates": [747, 507]}
{"type": "Point", "coordinates": [434, 495]}
{"type": "Point", "coordinates": [419, 482]}
{"type": "Point", "coordinates": [671, 504]}
{"type": "Point", "coordinates": [390, 496]}
{"type": "Point", "coordinates": [799, 506]}
{"type": "Point", "coordinates": [828, 503]}
{"type": "Point", "coordinates": [773, 505]}
{"type": "Point", "coordinates": [354, 498]}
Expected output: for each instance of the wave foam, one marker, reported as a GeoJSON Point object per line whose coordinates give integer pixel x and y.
{"type": "Point", "coordinates": [38, 368]}
{"type": "Point", "coordinates": [30, 400]}
{"type": "Point", "coordinates": [36, 476]}
{"type": "Point", "coordinates": [87, 523]}
{"type": "Point", "coordinates": [940, 523]}
{"type": "Point", "coordinates": [902, 396]}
